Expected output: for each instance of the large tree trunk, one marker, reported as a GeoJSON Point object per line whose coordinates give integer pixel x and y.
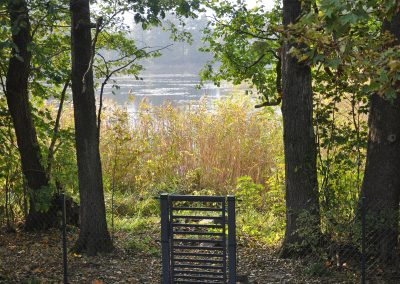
{"type": "Point", "coordinates": [93, 237]}
{"type": "Point", "coordinates": [381, 184]}
{"type": "Point", "coordinates": [299, 143]}
{"type": "Point", "coordinates": [20, 110]}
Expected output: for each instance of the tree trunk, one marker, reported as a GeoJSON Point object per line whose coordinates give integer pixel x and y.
{"type": "Point", "coordinates": [381, 184]}
{"type": "Point", "coordinates": [299, 145]}
{"type": "Point", "coordinates": [94, 236]}
{"type": "Point", "coordinates": [18, 104]}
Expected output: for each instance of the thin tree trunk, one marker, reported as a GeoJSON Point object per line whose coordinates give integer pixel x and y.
{"type": "Point", "coordinates": [50, 156]}
{"type": "Point", "coordinates": [299, 144]}
{"type": "Point", "coordinates": [381, 184]}
{"type": "Point", "coordinates": [93, 236]}
{"type": "Point", "coordinates": [20, 110]}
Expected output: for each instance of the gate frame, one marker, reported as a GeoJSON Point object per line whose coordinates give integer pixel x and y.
{"type": "Point", "coordinates": [166, 230]}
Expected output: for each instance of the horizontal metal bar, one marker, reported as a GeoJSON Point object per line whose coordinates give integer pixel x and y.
{"type": "Point", "coordinates": [198, 241]}
{"type": "Point", "coordinates": [197, 217]}
{"type": "Point", "coordinates": [199, 266]}
{"type": "Point", "coordinates": [198, 254]}
{"type": "Point", "coordinates": [197, 233]}
{"type": "Point", "coordinates": [197, 247]}
{"type": "Point", "coordinates": [196, 272]}
{"type": "Point", "coordinates": [199, 198]}
{"type": "Point", "coordinates": [197, 226]}
{"type": "Point", "coordinates": [203, 281]}
{"type": "Point", "coordinates": [198, 260]}
{"type": "Point", "coordinates": [199, 277]}
{"type": "Point", "coordinates": [209, 209]}
{"type": "Point", "coordinates": [195, 282]}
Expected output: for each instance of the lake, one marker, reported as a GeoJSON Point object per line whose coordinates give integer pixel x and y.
{"type": "Point", "coordinates": [179, 89]}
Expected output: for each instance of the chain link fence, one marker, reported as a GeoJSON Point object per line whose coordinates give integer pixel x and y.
{"type": "Point", "coordinates": [360, 249]}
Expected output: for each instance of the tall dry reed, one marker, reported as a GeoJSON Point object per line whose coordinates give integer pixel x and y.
{"type": "Point", "coordinates": [203, 146]}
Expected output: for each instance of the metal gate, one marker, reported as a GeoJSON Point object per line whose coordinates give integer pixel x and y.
{"type": "Point", "coordinates": [198, 238]}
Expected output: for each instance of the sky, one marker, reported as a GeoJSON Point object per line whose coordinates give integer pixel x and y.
{"type": "Point", "coordinates": [269, 4]}
{"type": "Point", "coordinates": [266, 3]}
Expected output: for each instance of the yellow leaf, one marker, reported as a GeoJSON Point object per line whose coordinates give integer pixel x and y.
{"type": "Point", "coordinates": [394, 65]}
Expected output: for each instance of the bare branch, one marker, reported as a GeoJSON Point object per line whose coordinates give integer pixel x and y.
{"type": "Point", "coordinates": [56, 128]}
{"type": "Point", "coordinates": [110, 74]}
{"type": "Point", "coordinates": [240, 31]}
{"type": "Point", "coordinates": [93, 50]}
{"type": "Point", "coordinates": [38, 24]}
{"type": "Point", "coordinates": [268, 103]}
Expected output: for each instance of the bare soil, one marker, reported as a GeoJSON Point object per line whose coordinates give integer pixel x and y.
{"type": "Point", "coordinates": [37, 258]}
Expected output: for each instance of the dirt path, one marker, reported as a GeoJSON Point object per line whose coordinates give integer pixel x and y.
{"type": "Point", "coordinates": [37, 258]}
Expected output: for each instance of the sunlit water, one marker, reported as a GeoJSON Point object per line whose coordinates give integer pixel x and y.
{"type": "Point", "coordinates": [178, 89]}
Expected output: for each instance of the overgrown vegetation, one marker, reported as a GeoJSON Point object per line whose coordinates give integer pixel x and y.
{"type": "Point", "coordinates": [214, 148]}
{"type": "Point", "coordinates": [211, 148]}
{"type": "Point", "coordinates": [202, 149]}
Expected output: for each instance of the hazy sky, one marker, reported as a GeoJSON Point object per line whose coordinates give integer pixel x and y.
{"type": "Point", "coordinates": [267, 3]}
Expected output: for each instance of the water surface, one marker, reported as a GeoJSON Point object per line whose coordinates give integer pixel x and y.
{"type": "Point", "coordinates": [179, 89]}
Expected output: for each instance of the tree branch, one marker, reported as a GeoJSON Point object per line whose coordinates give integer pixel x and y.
{"type": "Point", "coordinates": [278, 83]}
{"type": "Point", "coordinates": [110, 74]}
{"type": "Point", "coordinates": [93, 50]}
{"type": "Point", "coordinates": [268, 103]}
{"type": "Point", "coordinates": [51, 150]}
{"type": "Point", "coordinates": [3, 73]}
{"type": "Point", "coordinates": [244, 32]}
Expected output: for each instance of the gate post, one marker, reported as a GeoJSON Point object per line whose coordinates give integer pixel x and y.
{"type": "Point", "coordinates": [232, 239]}
{"type": "Point", "coordinates": [165, 245]}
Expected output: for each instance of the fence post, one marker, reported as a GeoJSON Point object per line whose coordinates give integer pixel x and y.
{"type": "Point", "coordinates": [64, 238]}
{"type": "Point", "coordinates": [232, 239]}
{"type": "Point", "coordinates": [363, 256]}
{"type": "Point", "coordinates": [165, 245]}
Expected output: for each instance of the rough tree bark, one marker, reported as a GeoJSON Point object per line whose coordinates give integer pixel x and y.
{"type": "Point", "coordinates": [299, 142]}
{"type": "Point", "coordinates": [17, 95]}
{"type": "Point", "coordinates": [93, 236]}
{"type": "Point", "coordinates": [381, 183]}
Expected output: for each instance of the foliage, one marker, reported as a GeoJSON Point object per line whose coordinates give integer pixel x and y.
{"type": "Point", "coordinates": [341, 36]}
{"type": "Point", "coordinates": [245, 46]}
{"type": "Point", "coordinates": [261, 216]}
{"type": "Point", "coordinates": [150, 12]}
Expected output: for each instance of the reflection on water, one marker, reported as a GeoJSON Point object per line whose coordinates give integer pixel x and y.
{"type": "Point", "coordinates": [179, 89]}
